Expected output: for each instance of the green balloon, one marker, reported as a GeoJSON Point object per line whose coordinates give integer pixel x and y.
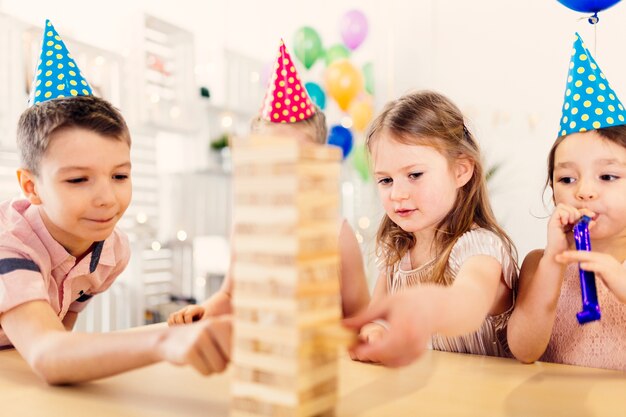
{"type": "Point", "coordinates": [360, 162]}
{"type": "Point", "coordinates": [336, 52]}
{"type": "Point", "coordinates": [308, 46]}
{"type": "Point", "coordinates": [368, 75]}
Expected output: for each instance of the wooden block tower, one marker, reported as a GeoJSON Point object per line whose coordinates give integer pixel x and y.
{"type": "Point", "coordinates": [286, 275]}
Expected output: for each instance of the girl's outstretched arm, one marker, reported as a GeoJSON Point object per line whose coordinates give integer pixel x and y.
{"type": "Point", "coordinates": [414, 315]}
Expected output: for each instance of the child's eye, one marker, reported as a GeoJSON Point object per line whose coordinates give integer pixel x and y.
{"type": "Point", "coordinates": [415, 175]}
{"type": "Point", "coordinates": [120, 177]}
{"type": "Point", "coordinates": [566, 180]}
{"type": "Point", "coordinates": [608, 177]}
{"type": "Point", "coordinates": [384, 181]}
{"type": "Point", "coordinates": [76, 180]}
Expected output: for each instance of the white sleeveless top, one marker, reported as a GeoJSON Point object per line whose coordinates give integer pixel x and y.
{"type": "Point", "coordinates": [490, 338]}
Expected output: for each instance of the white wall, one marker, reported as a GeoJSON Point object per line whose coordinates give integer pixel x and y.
{"type": "Point", "coordinates": [504, 62]}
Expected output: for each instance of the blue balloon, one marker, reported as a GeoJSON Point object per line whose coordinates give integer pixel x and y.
{"type": "Point", "coordinates": [588, 6]}
{"type": "Point", "coordinates": [316, 93]}
{"type": "Point", "coordinates": [342, 137]}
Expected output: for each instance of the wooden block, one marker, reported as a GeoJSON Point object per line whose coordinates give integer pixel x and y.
{"type": "Point", "coordinates": [251, 268]}
{"type": "Point", "coordinates": [249, 407]}
{"type": "Point", "coordinates": [300, 382]}
{"type": "Point", "coordinates": [274, 149]}
{"type": "Point", "coordinates": [270, 288]}
{"type": "Point", "coordinates": [337, 335]}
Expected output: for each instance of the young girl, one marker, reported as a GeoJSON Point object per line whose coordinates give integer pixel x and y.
{"type": "Point", "coordinates": [587, 175]}
{"type": "Point", "coordinates": [288, 112]}
{"type": "Point", "coordinates": [448, 270]}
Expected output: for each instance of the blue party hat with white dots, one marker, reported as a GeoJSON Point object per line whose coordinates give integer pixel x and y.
{"type": "Point", "coordinates": [57, 74]}
{"type": "Point", "coordinates": [590, 102]}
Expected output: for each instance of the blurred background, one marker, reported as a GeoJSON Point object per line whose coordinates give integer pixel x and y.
{"type": "Point", "coordinates": [189, 75]}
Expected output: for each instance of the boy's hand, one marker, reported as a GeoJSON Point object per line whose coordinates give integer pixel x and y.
{"type": "Point", "coordinates": [408, 334]}
{"type": "Point", "coordinates": [205, 345]}
{"type": "Point", "coordinates": [605, 266]}
{"type": "Point", "coordinates": [560, 223]}
{"type": "Point", "coordinates": [187, 314]}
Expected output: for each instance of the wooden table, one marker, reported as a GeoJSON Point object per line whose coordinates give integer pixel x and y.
{"type": "Point", "coordinates": [440, 384]}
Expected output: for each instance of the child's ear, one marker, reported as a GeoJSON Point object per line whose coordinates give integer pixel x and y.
{"type": "Point", "coordinates": [464, 171]}
{"type": "Point", "coordinates": [27, 183]}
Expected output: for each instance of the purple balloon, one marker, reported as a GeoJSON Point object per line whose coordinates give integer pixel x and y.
{"type": "Point", "coordinates": [353, 28]}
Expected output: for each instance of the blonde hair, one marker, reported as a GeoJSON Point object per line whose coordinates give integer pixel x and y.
{"type": "Point", "coordinates": [316, 124]}
{"type": "Point", "coordinates": [39, 122]}
{"type": "Point", "coordinates": [430, 119]}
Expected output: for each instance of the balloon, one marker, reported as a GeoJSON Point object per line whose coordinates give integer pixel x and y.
{"type": "Point", "coordinates": [353, 28]}
{"type": "Point", "coordinates": [343, 82]}
{"type": "Point", "coordinates": [342, 137]}
{"type": "Point", "coordinates": [336, 52]}
{"type": "Point", "coordinates": [588, 6]}
{"type": "Point", "coordinates": [361, 113]}
{"type": "Point", "coordinates": [308, 46]}
{"type": "Point", "coordinates": [360, 162]}
{"type": "Point", "coordinates": [368, 76]}
{"type": "Point", "coordinates": [316, 93]}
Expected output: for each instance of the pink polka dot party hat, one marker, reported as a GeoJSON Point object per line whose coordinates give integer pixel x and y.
{"type": "Point", "coordinates": [286, 99]}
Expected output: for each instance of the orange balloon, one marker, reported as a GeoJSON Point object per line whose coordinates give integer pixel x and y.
{"type": "Point", "coordinates": [361, 113]}
{"type": "Point", "coordinates": [343, 82]}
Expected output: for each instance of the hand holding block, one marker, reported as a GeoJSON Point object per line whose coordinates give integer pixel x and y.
{"type": "Point", "coordinates": [338, 335]}
{"type": "Point", "coordinates": [591, 309]}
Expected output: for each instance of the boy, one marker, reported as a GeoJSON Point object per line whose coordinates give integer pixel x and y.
{"type": "Point", "coordinates": [59, 245]}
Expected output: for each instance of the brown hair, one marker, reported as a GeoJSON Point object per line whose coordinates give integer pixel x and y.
{"type": "Point", "coordinates": [615, 134]}
{"type": "Point", "coordinates": [430, 119]}
{"type": "Point", "coordinates": [40, 121]}
{"type": "Point", "coordinates": [316, 124]}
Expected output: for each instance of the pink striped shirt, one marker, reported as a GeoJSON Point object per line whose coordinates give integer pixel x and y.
{"type": "Point", "coordinates": [34, 266]}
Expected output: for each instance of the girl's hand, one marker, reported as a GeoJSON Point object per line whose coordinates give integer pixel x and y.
{"type": "Point", "coordinates": [605, 266]}
{"type": "Point", "coordinates": [370, 333]}
{"type": "Point", "coordinates": [408, 334]}
{"type": "Point", "coordinates": [560, 224]}
{"type": "Point", "coordinates": [187, 314]}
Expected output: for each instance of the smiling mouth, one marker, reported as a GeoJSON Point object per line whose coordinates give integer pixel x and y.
{"type": "Point", "coordinates": [101, 220]}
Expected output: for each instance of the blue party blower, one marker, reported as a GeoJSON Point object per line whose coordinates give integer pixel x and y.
{"type": "Point", "coordinates": [591, 309]}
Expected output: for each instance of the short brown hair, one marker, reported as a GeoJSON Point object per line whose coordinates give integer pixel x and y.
{"type": "Point", "coordinates": [40, 121]}
{"type": "Point", "coordinates": [316, 123]}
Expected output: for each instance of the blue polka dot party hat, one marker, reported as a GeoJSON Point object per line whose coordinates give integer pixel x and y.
{"type": "Point", "coordinates": [57, 74]}
{"type": "Point", "coordinates": [590, 102]}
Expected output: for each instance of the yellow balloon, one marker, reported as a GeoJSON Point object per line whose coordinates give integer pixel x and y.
{"type": "Point", "coordinates": [343, 82]}
{"type": "Point", "coordinates": [361, 113]}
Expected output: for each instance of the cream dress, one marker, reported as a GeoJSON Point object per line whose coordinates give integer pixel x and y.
{"type": "Point", "coordinates": [490, 338]}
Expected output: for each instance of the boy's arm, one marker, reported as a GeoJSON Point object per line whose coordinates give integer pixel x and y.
{"type": "Point", "coordinates": [354, 292]}
{"type": "Point", "coordinates": [60, 357]}
{"type": "Point", "coordinates": [530, 325]}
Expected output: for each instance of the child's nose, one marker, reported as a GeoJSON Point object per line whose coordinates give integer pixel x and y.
{"type": "Point", "coordinates": [585, 191]}
{"type": "Point", "coordinates": [104, 196]}
{"type": "Point", "coordinates": [399, 192]}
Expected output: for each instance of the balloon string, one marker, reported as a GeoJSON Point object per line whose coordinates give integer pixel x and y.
{"type": "Point", "coordinates": [593, 20]}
